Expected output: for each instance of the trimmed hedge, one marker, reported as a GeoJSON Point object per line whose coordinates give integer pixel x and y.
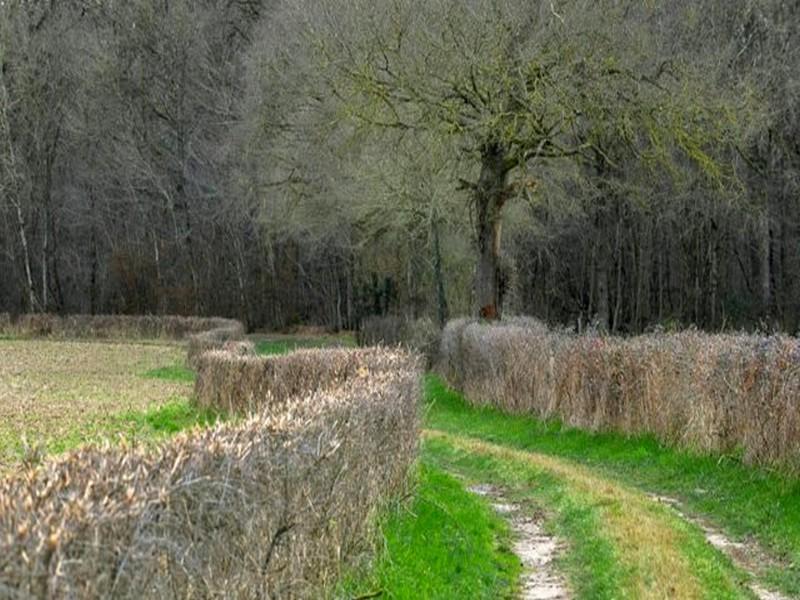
{"type": "Point", "coordinates": [232, 383]}
{"type": "Point", "coordinates": [113, 326]}
{"type": "Point", "coordinates": [5, 323]}
{"type": "Point", "coordinates": [226, 335]}
{"type": "Point", "coordinates": [268, 507]}
{"type": "Point", "coordinates": [202, 334]}
{"type": "Point", "coordinates": [713, 393]}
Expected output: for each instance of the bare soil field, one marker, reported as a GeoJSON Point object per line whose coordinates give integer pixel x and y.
{"type": "Point", "coordinates": [59, 394]}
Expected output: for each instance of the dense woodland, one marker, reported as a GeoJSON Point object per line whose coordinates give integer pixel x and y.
{"type": "Point", "coordinates": [620, 163]}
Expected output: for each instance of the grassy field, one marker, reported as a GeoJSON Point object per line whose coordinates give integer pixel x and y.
{"type": "Point", "coordinates": [57, 395]}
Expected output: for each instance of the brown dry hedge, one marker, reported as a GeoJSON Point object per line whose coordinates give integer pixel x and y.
{"type": "Point", "coordinates": [201, 333]}
{"type": "Point", "coordinates": [238, 384]}
{"type": "Point", "coordinates": [271, 506]}
{"type": "Point", "coordinates": [112, 326]}
{"type": "Point", "coordinates": [731, 393]}
{"type": "Point", "coordinates": [265, 509]}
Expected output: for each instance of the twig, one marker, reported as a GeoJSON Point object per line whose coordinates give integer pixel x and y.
{"type": "Point", "coordinates": [369, 595]}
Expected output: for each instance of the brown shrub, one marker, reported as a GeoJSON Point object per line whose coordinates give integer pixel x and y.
{"type": "Point", "coordinates": [266, 508]}
{"type": "Point", "coordinates": [241, 384]}
{"type": "Point", "coordinates": [420, 335]}
{"type": "Point", "coordinates": [222, 334]}
{"type": "Point", "coordinates": [712, 393]}
{"type": "Point", "coordinates": [118, 326]}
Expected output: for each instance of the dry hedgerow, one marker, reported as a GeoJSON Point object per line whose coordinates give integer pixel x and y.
{"type": "Point", "coordinates": [714, 393]}
{"type": "Point", "coordinates": [269, 507]}
{"type": "Point", "coordinates": [272, 506]}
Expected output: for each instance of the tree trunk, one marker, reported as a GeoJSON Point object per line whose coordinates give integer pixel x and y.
{"type": "Point", "coordinates": [615, 321]}
{"type": "Point", "coordinates": [438, 274]}
{"type": "Point", "coordinates": [45, 250]}
{"type": "Point", "coordinates": [58, 290]}
{"type": "Point", "coordinates": [240, 266]}
{"type": "Point", "coordinates": [490, 196]}
{"type": "Point", "coordinates": [603, 219]}
{"type": "Point", "coordinates": [32, 301]}
{"type": "Point", "coordinates": [94, 260]}
{"type": "Point", "coordinates": [603, 314]}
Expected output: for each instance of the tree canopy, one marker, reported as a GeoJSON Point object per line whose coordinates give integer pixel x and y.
{"type": "Point", "coordinates": [627, 163]}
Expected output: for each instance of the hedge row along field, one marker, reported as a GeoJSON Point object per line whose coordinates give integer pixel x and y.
{"type": "Point", "coordinates": [116, 326]}
{"type": "Point", "coordinates": [712, 393]}
{"type": "Point", "coordinates": [231, 382]}
{"type": "Point", "coordinates": [268, 506]}
{"type": "Point", "coordinates": [201, 333]}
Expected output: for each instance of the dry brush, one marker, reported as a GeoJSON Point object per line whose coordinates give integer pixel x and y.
{"type": "Point", "coordinates": [269, 505]}
{"type": "Point", "coordinates": [112, 326]}
{"type": "Point", "coordinates": [724, 393]}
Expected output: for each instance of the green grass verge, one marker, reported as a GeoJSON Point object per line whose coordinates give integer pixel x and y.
{"type": "Point", "coordinates": [590, 562]}
{"type": "Point", "coordinates": [179, 373]}
{"type": "Point", "coordinates": [141, 427]}
{"type": "Point", "coordinates": [289, 344]}
{"type": "Point", "coordinates": [746, 502]}
{"type": "Point", "coordinates": [168, 419]}
{"type": "Point", "coordinates": [448, 543]}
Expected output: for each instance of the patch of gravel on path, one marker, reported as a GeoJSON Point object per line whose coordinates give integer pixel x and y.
{"type": "Point", "coordinates": [536, 549]}
{"type": "Point", "coordinates": [747, 556]}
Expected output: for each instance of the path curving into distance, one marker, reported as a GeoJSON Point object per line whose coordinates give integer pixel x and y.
{"type": "Point", "coordinates": [657, 551]}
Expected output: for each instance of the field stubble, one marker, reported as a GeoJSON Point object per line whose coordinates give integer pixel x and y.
{"type": "Point", "coordinates": [60, 393]}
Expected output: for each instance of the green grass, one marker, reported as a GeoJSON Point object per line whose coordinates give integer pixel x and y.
{"type": "Point", "coordinates": [174, 373]}
{"type": "Point", "coordinates": [284, 345]}
{"type": "Point", "coordinates": [448, 543]}
{"type": "Point", "coordinates": [746, 502]}
{"type": "Point", "coordinates": [590, 562]}
{"type": "Point", "coordinates": [169, 419]}
{"type": "Point", "coordinates": [145, 427]}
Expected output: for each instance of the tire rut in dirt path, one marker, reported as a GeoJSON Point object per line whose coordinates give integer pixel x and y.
{"type": "Point", "coordinates": [536, 549]}
{"type": "Point", "coordinates": [658, 555]}
{"type": "Point", "coordinates": [747, 556]}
